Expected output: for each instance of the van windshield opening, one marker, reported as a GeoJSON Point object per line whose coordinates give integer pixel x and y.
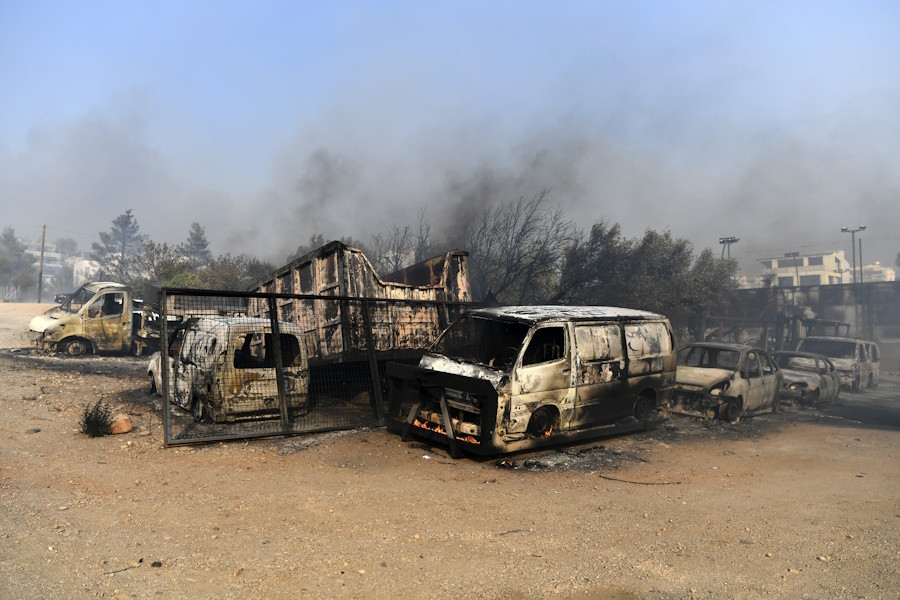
{"type": "Point", "coordinates": [486, 341]}
{"type": "Point", "coordinates": [77, 300]}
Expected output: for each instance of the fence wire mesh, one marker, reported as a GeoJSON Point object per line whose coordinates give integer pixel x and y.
{"type": "Point", "coordinates": [245, 364]}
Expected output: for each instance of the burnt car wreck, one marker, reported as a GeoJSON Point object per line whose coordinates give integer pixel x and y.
{"type": "Point", "coordinates": [725, 381]}
{"type": "Point", "coordinates": [512, 378]}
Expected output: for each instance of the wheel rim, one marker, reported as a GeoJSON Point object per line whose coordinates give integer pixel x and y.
{"type": "Point", "coordinates": [76, 348]}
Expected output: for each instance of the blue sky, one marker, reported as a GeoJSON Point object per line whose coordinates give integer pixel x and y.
{"type": "Point", "coordinates": [778, 122]}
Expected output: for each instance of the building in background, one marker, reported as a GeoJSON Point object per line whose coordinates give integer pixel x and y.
{"type": "Point", "coordinates": [878, 272]}
{"type": "Point", "coordinates": [821, 268]}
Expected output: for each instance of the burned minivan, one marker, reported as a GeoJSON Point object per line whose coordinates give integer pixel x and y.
{"type": "Point", "coordinates": [223, 368]}
{"type": "Point", "coordinates": [509, 378]}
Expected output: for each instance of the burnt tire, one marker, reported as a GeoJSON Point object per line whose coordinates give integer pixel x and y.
{"type": "Point", "coordinates": [643, 409]}
{"type": "Point", "coordinates": [733, 410]}
{"type": "Point", "coordinates": [543, 422]}
{"type": "Point", "coordinates": [76, 347]}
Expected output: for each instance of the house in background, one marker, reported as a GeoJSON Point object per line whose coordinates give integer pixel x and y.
{"type": "Point", "coordinates": [821, 268]}
{"type": "Point", "coordinates": [878, 272]}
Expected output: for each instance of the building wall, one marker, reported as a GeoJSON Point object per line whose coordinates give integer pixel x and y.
{"type": "Point", "coordinates": [824, 268]}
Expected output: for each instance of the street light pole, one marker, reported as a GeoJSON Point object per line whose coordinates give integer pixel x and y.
{"type": "Point", "coordinates": [794, 255]}
{"type": "Point", "coordinates": [726, 243]}
{"type": "Point", "coordinates": [852, 233]}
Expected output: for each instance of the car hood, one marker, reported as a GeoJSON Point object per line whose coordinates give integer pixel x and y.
{"type": "Point", "coordinates": [445, 364]}
{"type": "Point", "coordinates": [701, 377]}
{"type": "Point", "coordinates": [40, 323]}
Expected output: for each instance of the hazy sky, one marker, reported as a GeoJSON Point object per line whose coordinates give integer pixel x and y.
{"type": "Point", "coordinates": [778, 122]}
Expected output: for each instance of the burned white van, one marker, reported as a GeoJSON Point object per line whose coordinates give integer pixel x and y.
{"type": "Point", "coordinates": [510, 378]}
{"type": "Point", "coordinates": [223, 368]}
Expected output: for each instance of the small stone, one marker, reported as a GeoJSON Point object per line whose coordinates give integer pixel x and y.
{"type": "Point", "coordinates": [156, 563]}
{"type": "Point", "coordinates": [747, 542]}
{"type": "Point", "coordinates": [120, 424]}
{"type": "Point", "coordinates": [823, 558]}
{"type": "Point", "coordinates": [63, 507]}
{"type": "Point", "coordinates": [35, 430]}
{"type": "Point", "coordinates": [769, 555]}
{"type": "Point", "coordinates": [792, 570]}
{"type": "Point", "coordinates": [362, 571]}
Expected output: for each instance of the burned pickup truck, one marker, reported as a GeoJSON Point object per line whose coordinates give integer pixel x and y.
{"type": "Point", "coordinates": [510, 378]}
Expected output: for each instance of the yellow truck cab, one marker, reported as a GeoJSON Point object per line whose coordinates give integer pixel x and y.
{"type": "Point", "coordinates": [96, 318]}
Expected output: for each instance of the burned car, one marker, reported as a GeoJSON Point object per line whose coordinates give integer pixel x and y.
{"type": "Point", "coordinates": [725, 381]}
{"type": "Point", "coordinates": [807, 378]}
{"type": "Point", "coordinates": [509, 378]}
{"type": "Point", "coordinates": [223, 368]}
{"type": "Point", "coordinates": [850, 357]}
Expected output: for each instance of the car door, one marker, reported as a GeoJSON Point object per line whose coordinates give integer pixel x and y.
{"type": "Point", "coordinates": [600, 374]}
{"type": "Point", "coordinates": [752, 373]}
{"type": "Point", "coordinates": [771, 380]}
{"type": "Point", "coordinates": [544, 375]}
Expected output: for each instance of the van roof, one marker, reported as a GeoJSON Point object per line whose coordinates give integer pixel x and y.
{"type": "Point", "coordinates": [245, 323]}
{"type": "Point", "coordinates": [538, 314]}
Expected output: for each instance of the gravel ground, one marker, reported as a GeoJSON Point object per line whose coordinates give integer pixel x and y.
{"type": "Point", "coordinates": [803, 503]}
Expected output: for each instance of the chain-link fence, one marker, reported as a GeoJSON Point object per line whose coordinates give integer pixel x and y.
{"type": "Point", "coordinates": [235, 371]}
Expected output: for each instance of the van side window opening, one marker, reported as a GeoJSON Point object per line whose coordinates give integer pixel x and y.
{"type": "Point", "coordinates": [112, 304]}
{"type": "Point", "coordinates": [547, 344]}
{"type": "Point", "coordinates": [647, 338]}
{"type": "Point", "coordinates": [598, 342]}
{"type": "Point", "coordinates": [256, 352]}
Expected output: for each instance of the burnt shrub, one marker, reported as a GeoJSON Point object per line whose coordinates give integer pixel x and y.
{"type": "Point", "coordinates": [96, 418]}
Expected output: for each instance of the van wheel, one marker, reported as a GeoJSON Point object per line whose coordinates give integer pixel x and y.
{"type": "Point", "coordinates": [871, 383]}
{"type": "Point", "coordinates": [76, 347]}
{"type": "Point", "coordinates": [543, 422]}
{"type": "Point", "coordinates": [152, 384]}
{"type": "Point", "coordinates": [733, 410]}
{"type": "Point", "coordinates": [854, 387]}
{"type": "Point", "coordinates": [643, 409]}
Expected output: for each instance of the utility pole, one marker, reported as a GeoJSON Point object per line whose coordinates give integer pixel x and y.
{"type": "Point", "coordinates": [861, 277]}
{"type": "Point", "coordinates": [852, 233]}
{"type": "Point", "coordinates": [41, 269]}
{"type": "Point", "coordinates": [794, 255]}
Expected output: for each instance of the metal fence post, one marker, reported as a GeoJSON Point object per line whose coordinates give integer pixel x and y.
{"type": "Point", "coordinates": [377, 399]}
{"type": "Point", "coordinates": [279, 370]}
{"type": "Point", "coordinates": [164, 364]}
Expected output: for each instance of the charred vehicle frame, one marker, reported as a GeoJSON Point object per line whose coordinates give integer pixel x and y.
{"type": "Point", "coordinates": [511, 378]}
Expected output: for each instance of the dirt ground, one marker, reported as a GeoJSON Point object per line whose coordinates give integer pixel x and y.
{"type": "Point", "coordinates": [804, 503]}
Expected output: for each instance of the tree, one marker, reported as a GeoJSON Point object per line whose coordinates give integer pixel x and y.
{"type": "Point", "coordinates": [515, 249]}
{"type": "Point", "coordinates": [16, 266]}
{"type": "Point", "coordinates": [656, 272]}
{"type": "Point", "coordinates": [117, 247]}
{"type": "Point", "coordinates": [196, 249]}
{"type": "Point", "coordinates": [159, 264]}
{"type": "Point", "coordinates": [391, 252]}
{"type": "Point", "coordinates": [227, 272]}
{"type": "Point", "coordinates": [66, 246]}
